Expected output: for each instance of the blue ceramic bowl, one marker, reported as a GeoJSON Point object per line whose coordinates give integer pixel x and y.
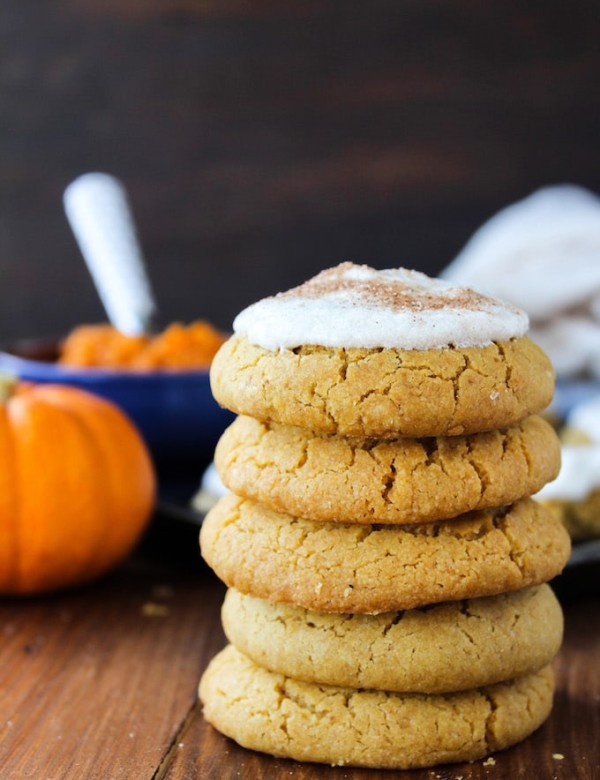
{"type": "Point", "coordinates": [174, 411]}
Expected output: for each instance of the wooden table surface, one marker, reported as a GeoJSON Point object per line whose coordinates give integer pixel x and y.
{"type": "Point", "coordinates": [100, 683]}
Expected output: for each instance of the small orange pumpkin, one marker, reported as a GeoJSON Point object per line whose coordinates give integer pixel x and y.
{"type": "Point", "coordinates": [77, 487]}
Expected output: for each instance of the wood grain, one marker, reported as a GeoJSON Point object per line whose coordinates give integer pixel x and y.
{"type": "Point", "coordinates": [100, 683]}
{"type": "Point", "coordinates": [264, 141]}
{"type": "Point", "coordinates": [97, 683]}
{"type": "Point", "coordinates": [564, 748]}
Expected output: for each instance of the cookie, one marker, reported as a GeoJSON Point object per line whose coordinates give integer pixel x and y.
{"type": "Point", "coordinates": [580, 518]}
{"type": "Point", "coordinates": [382, 354]}
{"type": "Point", "coordinates": [338, 567]}
{"type": "Point", "coordinates": [584, 417]}
{"type": "Point", "coordinates": [385, 393]}
{"type": "Point", "coordinates": [332, 478]}
{"type": "Point", "coordinates": [449, 647]}
{"type": "Point", "coordinates": [275, 714]}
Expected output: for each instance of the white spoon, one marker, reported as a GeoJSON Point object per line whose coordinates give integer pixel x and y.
{"type": "Point", "coordinates": [99, 214]}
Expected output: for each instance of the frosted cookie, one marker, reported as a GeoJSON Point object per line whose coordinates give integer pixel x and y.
{"type": "Point", "coordinates": [382, 354]}
{"type": "Point", "coordinates": [575, 495]}
{"type": "Point", "coordinates": [274, 714]}
{"type": "Point", "coordinates": [336, 567]}
{"type": "Point", "coordinates": [580, 518]}
{"type": "Point", "coordinates": [584, 418]}
{"type": "Point", "coordinates": [450, 647]}
{"type": "Point", "coordinates": [334, 478]}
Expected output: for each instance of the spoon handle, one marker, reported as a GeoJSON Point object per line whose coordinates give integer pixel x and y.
{"type": "Point", "coordinates": [99, 214]}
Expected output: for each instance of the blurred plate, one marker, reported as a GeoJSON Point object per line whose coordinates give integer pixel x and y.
{"type": "Point", "coordinates": [585, 552]}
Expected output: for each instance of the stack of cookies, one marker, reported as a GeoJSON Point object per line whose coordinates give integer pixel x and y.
{"type": "Point", "coordinates": [387, 568]}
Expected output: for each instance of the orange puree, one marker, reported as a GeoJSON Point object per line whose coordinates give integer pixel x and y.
{"type": "Point", "coordinates": [178, 347]}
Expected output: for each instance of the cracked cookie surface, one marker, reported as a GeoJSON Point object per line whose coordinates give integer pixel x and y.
{"type": "Point", "coordinates": [275, 714]}
{"type": "Point", "coordinates": [385, 393]}
{"type": "Point", "coordinates": [337, 567]}
{"type": "Point", "coordinates": [332, 478]}
{"type": "Point", "coordinates": [449, 647]}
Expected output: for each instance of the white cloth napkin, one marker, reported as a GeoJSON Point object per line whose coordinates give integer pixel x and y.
{"type": "Point", "coordinates": [543, 254]}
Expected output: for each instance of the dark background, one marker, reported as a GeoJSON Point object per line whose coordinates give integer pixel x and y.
{"type": "Point", "coordinates": [263, 141]}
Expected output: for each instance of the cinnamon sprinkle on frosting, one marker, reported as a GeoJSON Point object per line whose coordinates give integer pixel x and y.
{"type": "Point", "coordinates": [411, 291]}
{"type": "Point", "coordinates": [357, 306]}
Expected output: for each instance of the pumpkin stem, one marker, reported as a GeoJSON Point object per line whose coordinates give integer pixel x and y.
{"type": "Point", "coordinates": [8, 385]}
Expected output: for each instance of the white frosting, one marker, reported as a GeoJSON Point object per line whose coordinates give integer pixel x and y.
{"type": "Point", "coordinates": [585, 417]}
{"type": "Point", "coordinates": [579, 474]}
{"type": "Point", "coordinates": [357, 306]}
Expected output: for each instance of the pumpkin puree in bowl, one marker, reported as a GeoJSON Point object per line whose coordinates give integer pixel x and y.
{"type": "Point", "coordinates": [178, 347]}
